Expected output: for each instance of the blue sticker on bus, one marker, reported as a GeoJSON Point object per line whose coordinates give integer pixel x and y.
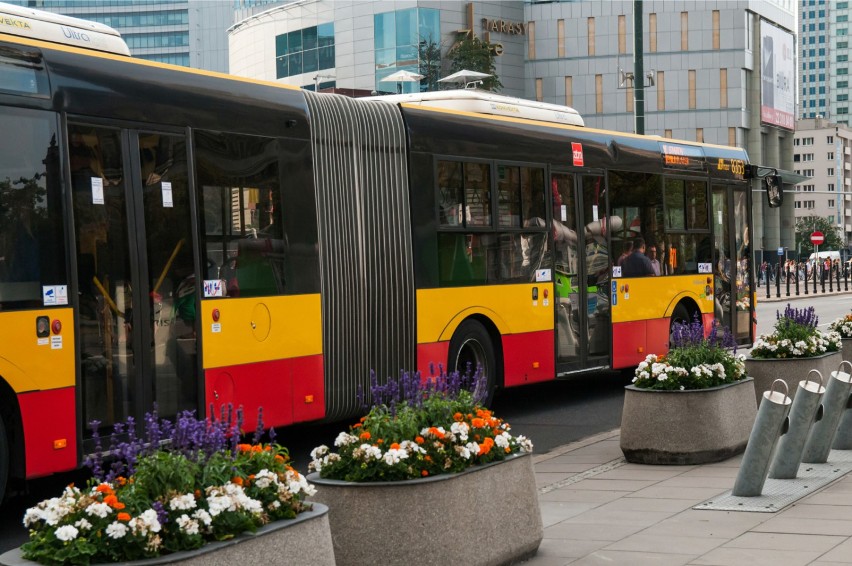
{"type": "Point", "coordinates": [615, 286]}
{"type": "Point", "coordinates": [614, 299]}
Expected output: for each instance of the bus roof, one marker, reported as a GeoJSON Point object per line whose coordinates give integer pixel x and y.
{"type": "Point", "coordinates": [484, 102]}
{"type": "Point", "coordinates": [56, 28]}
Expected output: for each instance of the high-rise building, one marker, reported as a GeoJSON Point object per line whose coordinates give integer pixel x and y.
{"type": "Point", "coordinates": [824, 64]}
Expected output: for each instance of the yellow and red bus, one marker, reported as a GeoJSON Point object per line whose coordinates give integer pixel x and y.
{"type": "Point", "coordinates": [195, 240]}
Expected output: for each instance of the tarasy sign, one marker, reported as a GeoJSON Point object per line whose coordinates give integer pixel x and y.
{"type": "Point", "coordinates": [817, 238]}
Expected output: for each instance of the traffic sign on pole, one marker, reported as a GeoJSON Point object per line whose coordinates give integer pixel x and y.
{"type": "Point", "coordinates": [817, 238]}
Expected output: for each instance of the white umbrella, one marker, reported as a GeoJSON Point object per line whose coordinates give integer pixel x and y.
{"type": "Point", "coordinates": [464, 77]}
{"type": "Point", "coordinates": [400, 77]}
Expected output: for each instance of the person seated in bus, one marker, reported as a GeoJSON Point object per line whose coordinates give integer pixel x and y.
{"type": "Point", "coordinates": [637, 263]}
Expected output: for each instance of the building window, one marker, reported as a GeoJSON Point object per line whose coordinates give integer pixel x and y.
{"type": "Point", "coordinates": [569, 91]}
{"type": "Point", "coordinates": [652, 33]}
{"type": "Point", "coordinates": [699, 135]}
{"type": "Point", "coordinates": [723, 88]}
{"type": "Point", "coordinates": [539, 90]}
{"type": "Point", "coordinates": [843, 110]}
{"type": "Point", "coordinates": [628, 99]}
{"type": "Point", "coordinates": [684, 31]}
{"type": "Point", "coordinates": [407, 40]}
{"type": "Point", "coordinates": [661, 90]}
{"type": "Point", "coordinates": [830, 155]}
{"type": "Point", "coordinates": [830, 187]}
{"type": "Point", "coordinates": [599, 94]}
{"type": "Point", "coordinates": [732, 137]}
{"type": "Point", "coordinates": [590, 24]}
{"type": "Point", "coordinates": [831, 203]}
{"type": "Point", "coordinates": [716, 34]}
{"type": "Point", "coordinates": [668, 134]}
{"type": "Point", "coordinates": [692, 96]}
{"type": "Point", "coordinates": [560, 37]}
{"type": "Point", "coordinates": [797, 204]}
{"type": "Point", "coordinates": [830, 172]}
{"type": "Point", "coordinates": [304, 51]}
{"type": "Point", "coordinates": [829, 139]}
{"type": "Point", "coordinates": [622, 34]}
{"type": "Point", "coordinates": [531, 40]}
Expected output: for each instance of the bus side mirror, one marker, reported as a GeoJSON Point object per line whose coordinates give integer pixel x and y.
{"type": "Point", "coordinates": [774, 193]}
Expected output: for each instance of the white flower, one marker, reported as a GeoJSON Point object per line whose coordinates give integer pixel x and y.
{"type": "Point", "coordinates": [344, 439]}
{"type": "Point", "coordinates": [66, 533]}
{"type": "Point", "coordinates": [98, 510]}
{"type": "Point", "coordinates": [264, 478]}
{"type": "Point", "coordinates": [394, 456]}
{"type": "Point", "coordinates": [461, 429]}
{"type": "Point", "coordinates": [203, 517]}
{"type": "Point", "coordinates": [187, 525]}
{"type": "Point", "coordinates": [83, 525]}
{"type": "Point", "coordinates": [32, 516]}
{"type": "Point", "coordinates": [182, 502]}
{"type": "Point", "coordinates": [116, 530]}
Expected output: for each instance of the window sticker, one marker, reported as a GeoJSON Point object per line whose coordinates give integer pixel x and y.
{"type": "Point", "coordinates": [97, 190]}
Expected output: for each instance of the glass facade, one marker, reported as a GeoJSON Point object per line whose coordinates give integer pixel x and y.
{"type": "Point", "coordinates": [166, 18]}
{"type": "Point", "coordinates": [156, 40]}
{"type": "Point", "coordinates": [407, 40]}
{"type": "Point", "coordinates": [305, 50]}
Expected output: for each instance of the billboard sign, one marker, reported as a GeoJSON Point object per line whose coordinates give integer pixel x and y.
{"type": "Point", "coordinates": [777, 76]}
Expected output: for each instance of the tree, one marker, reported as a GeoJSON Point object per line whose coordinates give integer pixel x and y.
{"type": "Point", "coordinates": [473, 54]}
{"type": "Point", "coordinates": [808, 224]}
{"type": "Point", "coordinates": [429, 56]}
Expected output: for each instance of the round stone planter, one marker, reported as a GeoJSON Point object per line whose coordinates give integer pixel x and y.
{"type": "Point", "coordinates": [305, 540]}
{"type": "Point", "coordinates": [791, 370]}
{"type": "Point", "coordinates": [846, 349]}
{"type": "Point", "coordinates": [484, 516]}
{"type": "Point", "coordinates": [694, 426]}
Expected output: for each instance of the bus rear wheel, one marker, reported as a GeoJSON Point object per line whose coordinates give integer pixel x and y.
{"type": "Point", "coordinates": [680, 315]}
{"type": "Point", "coordinates": [471, 346]}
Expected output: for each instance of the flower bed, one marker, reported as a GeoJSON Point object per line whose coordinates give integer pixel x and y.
{"type": "Point", "coordinates": [843, 326]}
{"type": "Point", "coordinates": [185, 484]}
{"type": "Point", "coordinates": [428, 458]}
{"type": "Point", "coordinates": [794, 348]}
{"type": "Point", "coordinates": [692, 406]}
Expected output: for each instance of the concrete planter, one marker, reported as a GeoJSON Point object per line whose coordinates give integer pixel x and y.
{"type": "Point", "coordinates": [487, 515]}
{"type": "Point", "coordinates": [791, 370]}
{"type": "Point", "coordinates": [305, 540]}
{"type": "Point", "coordinates": [694, 426]}
{"type": "Point", "coordinates": [846, 349]}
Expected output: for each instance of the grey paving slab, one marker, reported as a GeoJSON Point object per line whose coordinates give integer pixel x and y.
{"type": "Point", "coordinates": [756, 557]}
{"type": "Point", "coordinates": [598, 509]}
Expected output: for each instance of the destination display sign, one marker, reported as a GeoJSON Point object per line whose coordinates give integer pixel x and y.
{"type": "Point", "coordinates": [676, 156]}
{"type": "Point", "coordinates": [729, 168]}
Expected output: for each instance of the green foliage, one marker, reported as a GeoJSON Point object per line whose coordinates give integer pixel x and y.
{"type": "Point", "coordinates": [473, 54]}
{"type": "Point", "coordinates": [808, 224]}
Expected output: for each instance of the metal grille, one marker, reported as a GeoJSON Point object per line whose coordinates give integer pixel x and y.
{"type": "Point", "coordinates": [361, 179]}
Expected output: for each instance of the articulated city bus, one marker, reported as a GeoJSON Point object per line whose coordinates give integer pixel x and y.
{"type": "Point", "coordinates": [195, 240]}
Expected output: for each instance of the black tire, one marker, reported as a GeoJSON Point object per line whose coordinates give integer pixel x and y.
{"type": "Point", "coordinates": [4, 459]}
{"type": "Point", "coordinates": [470, 346]}
{"type": "Point", "coordinates": [680, 315]}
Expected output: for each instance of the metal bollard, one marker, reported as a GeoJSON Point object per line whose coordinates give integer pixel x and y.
{"type": "Point", "coordinates": [843, 437]}
{"type": "Point", "coordinates": [803, 413]}
{"type": "Point", "coordinates": [834, 402]}
{"type": "Point", "coordinates": [771, 417]}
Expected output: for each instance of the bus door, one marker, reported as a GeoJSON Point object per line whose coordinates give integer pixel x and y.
{"type": "Point", "coordinates": [731, 270]}
{"type": "Point", "coordinates": [581, 271]}
{"type": "Point", "coordinates": [136, 284]}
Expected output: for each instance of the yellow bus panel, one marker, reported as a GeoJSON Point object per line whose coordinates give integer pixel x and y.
{"type": "Point", "coordinates": [260, 329]}
{"type": "Point", "coordinates": [648, 298]}
{"type": "Point", "coordinates": [33, 363]}
{"type": "Point", "coordinates": [511, 307]}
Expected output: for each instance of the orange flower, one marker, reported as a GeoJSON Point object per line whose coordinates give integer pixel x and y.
{"type": "Point", "coordinates": [104, 488]}
{"type": "Point", "coordinates": [477, 423]}
{"type": "Point", "coordinates": [118, 506]}
{"type": "Point", "coordinates": [123, 517]}
{"type": "Point", "coordinates": [380, 441]}
{"type": "Point", "coordinates": [111, 500]}
{"type": "Point", "coordinates": [435, 432]}
{"type": "Point", "coordinates": [237, 480]}
{"type": "Point", "coordinates": [121, 480]}
{"type": "Point", "coordinates": [197, 493]}
{"type": "Point", "coordinates": [419, 439]}
{"type": "Point", "coordinates": [280, 458]}
{"type": "Point", "coordinates": [363, 419]}
{"type": "Point", "coordinates": [424, 473]}
{"type": "Point", "coordinates": [244, 447]}
{"type": "Point", "coordinates": [257, 448]}
{"type": "Point", "coordinates": [427, 457]}
{"type": "Point", "coordinates": [395, 446]}
{"type": "Point", "coordinates": [489, 442]}
{"type": "Point", "coordinates": [356, 425]}
{"type": "Point", "coordinates": [365, 435]}
{"type": "Point", "coordinates": [458, 417]}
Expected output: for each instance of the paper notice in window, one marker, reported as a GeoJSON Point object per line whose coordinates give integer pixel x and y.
{"type": "Point", "coordinates": [97, 190]}
{"type": "Point", "coordinates": [167, 195]}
